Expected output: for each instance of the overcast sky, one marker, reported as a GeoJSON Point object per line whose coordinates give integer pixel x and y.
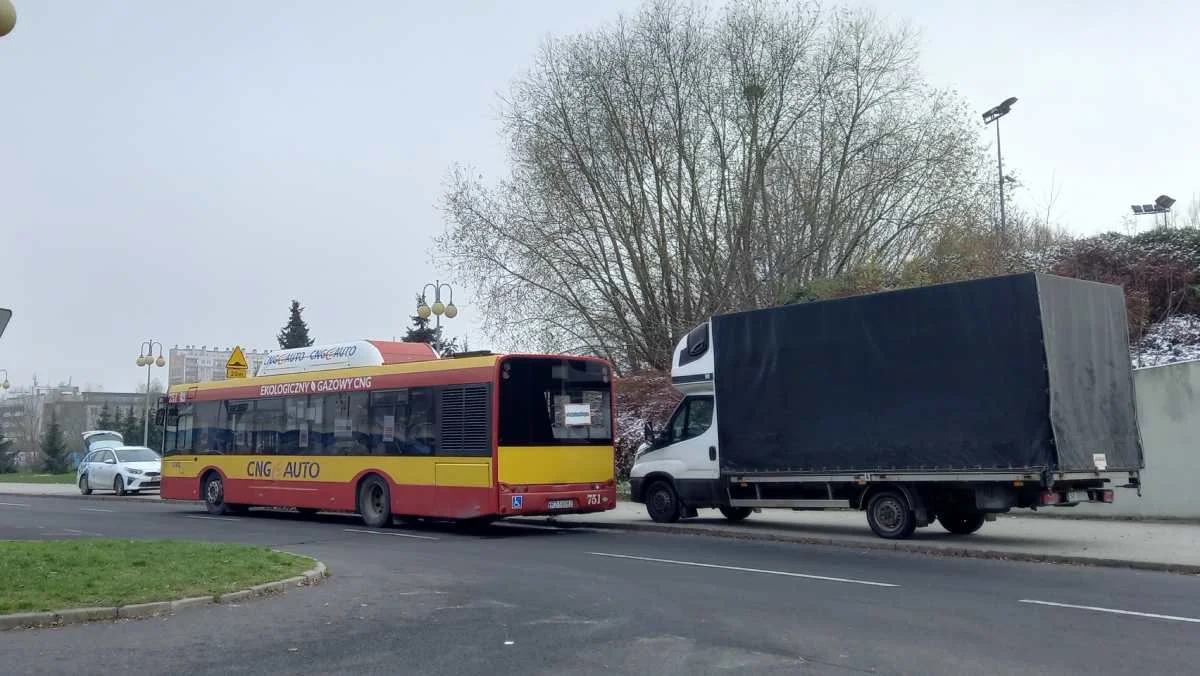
{"type": "Point", "coordinates": [181, 170]}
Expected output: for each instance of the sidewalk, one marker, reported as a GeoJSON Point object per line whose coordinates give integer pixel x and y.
{"type": "Point", "coordinates": [1165, 546]}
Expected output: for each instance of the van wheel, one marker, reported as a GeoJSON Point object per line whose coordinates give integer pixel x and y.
{"type": "Point", "coordinates": [662, 504]}
{"type": "Point", "coordinates": [375, 503]}
{"type": "Point", "coordinates": [890, 515]}
{"type": "Point", "coordinates": [960, 523]}
{"type": "Point", "coordinates": [735, 513]}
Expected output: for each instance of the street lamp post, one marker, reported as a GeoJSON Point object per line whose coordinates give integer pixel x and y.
{"type": "Point", "coordinates": [4, 384]}
{"type": "Point", "coordinates": [146, 358]}
{"type": "Point", "coordinates": [994, 115]}
{"type": "Point", "coordinates": [438, 308]}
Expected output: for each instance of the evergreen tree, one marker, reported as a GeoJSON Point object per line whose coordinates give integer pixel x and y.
{"type": "Point", "coordinates": [105, 421]}
{"type": "Point", "coordinates": [8, 454]}
{"type": "Point", "coordinates": [132, 431]}
{"type": "Point", "coordinates": [295, 332]}
{"type": "Point", "coordinates": [422, 332]}
{"type": "Point", "coordinates": [54, 448]}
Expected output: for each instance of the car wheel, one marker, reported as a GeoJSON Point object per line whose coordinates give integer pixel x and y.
{"type": "Point", "coordinates": [84, 487]}
{"type": "Point", "coordinates": [662, 503]}
{"type": "Point", "coordinates": [119, 485]}
{"type": "Point", "coordinates": [214, 495]}
{"type": "Point", "coordinates": [375, 503]}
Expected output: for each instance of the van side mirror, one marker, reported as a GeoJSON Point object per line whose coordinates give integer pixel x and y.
{"type": "Point", "coordinates": [648, 432]}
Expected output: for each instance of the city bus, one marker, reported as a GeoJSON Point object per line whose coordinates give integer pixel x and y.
{"type": "Point", "coordinates": [388, 429]}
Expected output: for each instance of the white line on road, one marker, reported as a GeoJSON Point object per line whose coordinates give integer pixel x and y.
{"type": "Point", "coordinates": [13, 504]}
{"type": "Point", "coordinates": [96, 509]}
{"type": "Point", "coordinates": [1114, 611]}
{"type": "Point", "coordinates": [210, 518]}
{"type": "Point", "coordinates": [399, 535]}
{"type": "Point", "coordinates": [73, 531]}
{"type": "Point", "coordinates": [749, 570]}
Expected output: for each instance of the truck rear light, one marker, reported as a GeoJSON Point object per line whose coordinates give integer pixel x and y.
{"type": "Point", "coordinates": [1048, 498]}
{"type": "Point", "coordinates": [1105, 495]}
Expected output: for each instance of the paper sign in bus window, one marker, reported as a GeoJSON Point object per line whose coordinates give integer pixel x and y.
{"type": "Point", "coordinates": [578, 415]}
{"type": "Point", "coordinates": [389, 428]}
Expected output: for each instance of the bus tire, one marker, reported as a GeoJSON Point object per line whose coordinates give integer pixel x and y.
{"type": "Point", "coordinates": [891, 516]}
{"type": "Point", "coordinates": [213, 491]}
{"type": "Point", "coordinates": [735, 513]}
{"type": "Point", "coordinates": [375, 502]}
{"type": "Point", "coordinates": [662, 503]}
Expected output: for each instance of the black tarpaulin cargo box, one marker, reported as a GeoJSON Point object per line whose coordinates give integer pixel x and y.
{"type": "Point", "coordinates": [1024, 372]}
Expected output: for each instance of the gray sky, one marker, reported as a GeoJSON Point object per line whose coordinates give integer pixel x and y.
{"type": "Point", "coordinates": [181, 170]}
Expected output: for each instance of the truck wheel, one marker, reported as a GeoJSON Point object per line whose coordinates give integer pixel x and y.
{"type": "Point", "coordinates": [735, 513]}
{"type": "Point", "coordinates": [960, 523]}
{"type": "Point", "coordinates": [662, 504]}
{"type": "Point", "coordinates": [890, 515]}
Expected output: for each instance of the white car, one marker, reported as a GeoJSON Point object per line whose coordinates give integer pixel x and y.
{"type": "Point", "coordinates": [110, 465]}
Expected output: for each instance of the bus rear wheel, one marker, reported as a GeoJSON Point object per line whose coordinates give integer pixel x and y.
{"type": "Point", "coordinates": [375, 502]}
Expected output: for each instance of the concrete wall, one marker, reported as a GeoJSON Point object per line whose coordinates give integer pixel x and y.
{"type": "Point", "coordinates": [1168, 402]}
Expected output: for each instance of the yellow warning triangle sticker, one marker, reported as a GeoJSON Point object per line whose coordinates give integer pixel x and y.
{"type": "Point", "coordinates": [237, 360]}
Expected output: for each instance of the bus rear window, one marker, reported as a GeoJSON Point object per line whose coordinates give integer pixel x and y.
{"type": "Point", "coordinates": [555, 402]}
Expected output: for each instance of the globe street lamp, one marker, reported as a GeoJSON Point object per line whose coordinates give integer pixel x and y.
{"type": "Point", "coordinates": [8, 17]}
{"type": "Point", "coordinates": [146, 358]}
{"type": "Point", "coordinates": [438, 308]}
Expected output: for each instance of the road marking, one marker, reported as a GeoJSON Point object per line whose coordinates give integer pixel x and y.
{"type": "Point", "coordinates": [13, 504]}
{"type": "Point", "coordinates": [73, 531]}
{"type": "Point", "coordinates": [399, 535]}
{"type": "Point", "coordinates": [785, 573]}
{"type": "Point", "coordinates": [1114, 611]}
{"type": "Point", "coordinates": [96, 509]}
{"type": "Point", "coordinates": [210, 518]}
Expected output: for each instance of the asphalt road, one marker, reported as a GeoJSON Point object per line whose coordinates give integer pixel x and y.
{"type": "Point", "coordinates": [525, 600]}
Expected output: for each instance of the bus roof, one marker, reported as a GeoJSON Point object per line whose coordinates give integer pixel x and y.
{"type": "Point", "coordinates": [337, 356]}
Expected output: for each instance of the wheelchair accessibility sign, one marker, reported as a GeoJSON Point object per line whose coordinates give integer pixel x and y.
{"type": "Point", "coordinates": [518, 501]}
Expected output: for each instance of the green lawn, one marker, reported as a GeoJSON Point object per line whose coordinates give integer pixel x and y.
{"type": "Point", "coordinates": [37, 478]}
{"type": "Point", "coordinates": [54, 575]}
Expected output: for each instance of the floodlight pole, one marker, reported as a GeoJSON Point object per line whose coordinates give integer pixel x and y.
{"type": "Point", "coordinates": [1000, 173]}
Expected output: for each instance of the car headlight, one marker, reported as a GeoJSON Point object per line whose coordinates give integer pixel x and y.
{"type": "Point", "coordinates": [130, 470]}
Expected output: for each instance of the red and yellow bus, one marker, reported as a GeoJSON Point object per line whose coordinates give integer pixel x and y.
{"type": "Point", "coordinates": [389, 429]}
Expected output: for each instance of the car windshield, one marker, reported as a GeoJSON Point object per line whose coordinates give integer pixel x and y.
{"type": "Point", "coordinates": [136, 455]}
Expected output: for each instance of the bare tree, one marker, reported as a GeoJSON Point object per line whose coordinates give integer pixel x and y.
{"type": "Point", "coordinates": [678, 164]}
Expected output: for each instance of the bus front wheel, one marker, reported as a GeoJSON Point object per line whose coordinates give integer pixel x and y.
{"type": "Point", "coordinates": [375, 502]}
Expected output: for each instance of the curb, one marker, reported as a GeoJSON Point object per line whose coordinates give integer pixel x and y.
{"type": "Point", "coordinates": [59, 618]}
{"type": "Point", "coordinates": [152, 498]}
{"type": "Point", "coordinates": [881, 545]}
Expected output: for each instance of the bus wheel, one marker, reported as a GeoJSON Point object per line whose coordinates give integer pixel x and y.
{"type": "Point", "coordinates": [735, 513]}
{"type": "Point", "coordinates": [661, 502]}
{"type": "Point", "coordinates": [375, 503]}
{"type": "Point", "coordinates": [214, 494]}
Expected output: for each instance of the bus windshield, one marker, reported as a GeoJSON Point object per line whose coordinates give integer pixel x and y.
{"type": "Point", "coordinates": [555, 402]}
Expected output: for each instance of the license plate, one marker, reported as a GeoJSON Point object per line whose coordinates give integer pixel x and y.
{"type": "Point", "coordinates": [560, 504]}
{"type": "Point", "coordinates": [1077, 496]}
